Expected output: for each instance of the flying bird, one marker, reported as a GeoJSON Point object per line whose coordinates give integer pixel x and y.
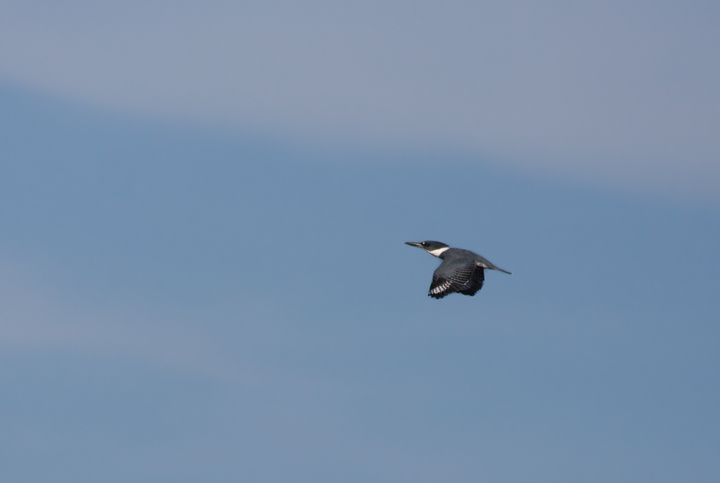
{"type": "Point", "coordinates": [461, 270]}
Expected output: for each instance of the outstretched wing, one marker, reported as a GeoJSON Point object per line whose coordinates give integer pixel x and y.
{"type": "Point", "coordinates": [465, 280]}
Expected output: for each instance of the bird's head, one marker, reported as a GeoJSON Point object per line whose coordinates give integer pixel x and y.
{"type": "Point", "coordinates": [434, 248]}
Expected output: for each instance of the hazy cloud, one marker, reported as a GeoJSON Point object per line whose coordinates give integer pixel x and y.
{"type": "Point", "coordinates": [38, 315]}
{"type": "Point", "coordinates": [622, 92]}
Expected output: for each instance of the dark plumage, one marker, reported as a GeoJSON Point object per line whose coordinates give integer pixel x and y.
{"type": "Point", "coordinates": [461, 270]}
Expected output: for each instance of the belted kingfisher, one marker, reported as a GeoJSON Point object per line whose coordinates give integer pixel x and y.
{"type": "Point", "coordinates": [460, 271]}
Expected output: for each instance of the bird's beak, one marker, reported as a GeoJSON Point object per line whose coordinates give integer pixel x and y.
{"type": "Point", "coordinates": [414, 244]}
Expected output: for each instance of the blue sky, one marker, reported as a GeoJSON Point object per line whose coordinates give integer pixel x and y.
{"type": "Point", "coordinates": [192, 294]}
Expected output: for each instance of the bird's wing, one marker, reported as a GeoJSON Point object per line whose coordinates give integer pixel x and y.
{"type": "Point", "coordinates": [466, 280]}
{"type": "Point", "coordinates": [475, 283]}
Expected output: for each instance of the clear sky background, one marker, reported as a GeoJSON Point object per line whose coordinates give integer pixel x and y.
{"type": "Point", "coordinates": [203, 209]}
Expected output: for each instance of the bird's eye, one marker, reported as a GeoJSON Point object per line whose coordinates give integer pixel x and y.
{"type": "Point", "coordinates": [424, 244]}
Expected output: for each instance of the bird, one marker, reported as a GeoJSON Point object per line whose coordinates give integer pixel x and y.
{"type": "Point", "coordinates": [461, 271]}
